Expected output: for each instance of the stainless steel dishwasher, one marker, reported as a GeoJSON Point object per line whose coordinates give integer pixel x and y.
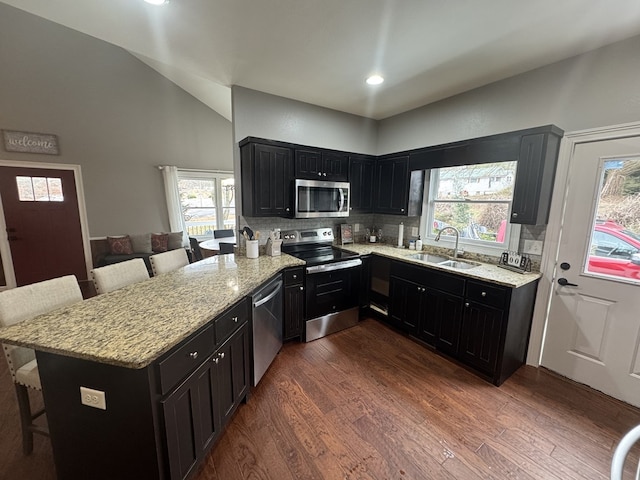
{"type": "Point", "coordinates": [267, 327]}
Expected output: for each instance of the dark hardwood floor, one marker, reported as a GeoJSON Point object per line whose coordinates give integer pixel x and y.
{"type": "Point", "coordinates": [367, 403]}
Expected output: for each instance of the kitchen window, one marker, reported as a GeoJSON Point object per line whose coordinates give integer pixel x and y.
{"type": "Point", "coordinates": [207, 201]}
{"type": "Point", "coordinates": [476, 200]}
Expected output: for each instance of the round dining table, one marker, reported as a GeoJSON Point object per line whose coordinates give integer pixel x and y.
{"type": "Point", "coordinates": [213, 245]}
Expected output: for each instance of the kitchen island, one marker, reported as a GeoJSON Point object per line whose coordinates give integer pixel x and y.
{"type": "Point", "coordinates": [169, 359]}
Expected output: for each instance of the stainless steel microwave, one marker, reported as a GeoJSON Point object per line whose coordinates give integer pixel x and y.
{"type": "Point", "coordinates": [317, 199]}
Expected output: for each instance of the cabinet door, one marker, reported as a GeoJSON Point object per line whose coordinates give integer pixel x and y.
{"type": "Point", "coordinates": [308, 164]}
{"type": "Point", "coordinates": [362, 177]}
{"type": "Point", "coordinates": [191, 419]}
{"type": "Point", "coordinates": [448, 313]}
{"type": "Point", "coordinates": [267, 173]}
{"type": "Point", "coordinates": [480, 336]}
{"type": "Point", "coordinates": [335, 166]}
{"type": "Point", "coordinates": [232, 362]}
{"type": "Point", "coordinates": [293, 311]}
{"type": "Point", "coordinates": [406, 304]}
{"type": "Point", "coordinates": [392, 180]}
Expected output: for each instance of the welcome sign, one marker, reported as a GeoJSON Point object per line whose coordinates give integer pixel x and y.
{"type": "Point", "coordinates": [28, 142]}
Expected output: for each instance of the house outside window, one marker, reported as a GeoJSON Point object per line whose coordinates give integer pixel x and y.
{"type": "Point", "coordinates": [207, 201]}
{"type": "Point", "coordinates": [476, 200]}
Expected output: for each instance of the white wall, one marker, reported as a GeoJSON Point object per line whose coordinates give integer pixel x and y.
{"type": "Point", "coordinates": [114, 116]}
{"type": "Point", "coordinates": [595, 89]}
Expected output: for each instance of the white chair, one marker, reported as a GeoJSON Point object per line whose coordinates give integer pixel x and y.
{"type": "Point", "coordinates": [118, 275]}
{"type": "Point", "coordinates": [168, 261]}
{"type": "Point", "coordinates": [621, 452]}
{"type": "Point", "coordinates": [24, 303]}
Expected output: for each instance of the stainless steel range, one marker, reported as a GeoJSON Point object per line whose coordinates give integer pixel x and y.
{"type": "Point", "coordinates": [332, 281]}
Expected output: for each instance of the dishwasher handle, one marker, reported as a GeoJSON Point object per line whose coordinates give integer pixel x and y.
{"type": "Point", "coordinates": [264, 300]}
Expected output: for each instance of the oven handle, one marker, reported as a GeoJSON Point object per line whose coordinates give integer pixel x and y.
{"type": "Point", "coordinates": [334, 266]}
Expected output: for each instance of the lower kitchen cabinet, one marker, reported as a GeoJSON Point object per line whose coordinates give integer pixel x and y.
{"type": "Point", "coordinates": [196, 411]}
{"type": "Point", "coordinates": [483, 325]}
{"type": "Point", "coordinates": [293, 303]}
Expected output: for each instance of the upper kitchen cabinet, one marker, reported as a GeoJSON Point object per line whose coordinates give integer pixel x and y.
{"type": "Point", "coordinates": [397, 190]}
{"type": "Point", "coordinates": [392, 185]}
{"type": "Point", "coordinates": [361, 179]}
{"type": "Point", "coordinates": [267, 176]}
{"type": "Point", "coordinates": [536, 171]}
{"type": "Point", "coordinates": [321, 165]}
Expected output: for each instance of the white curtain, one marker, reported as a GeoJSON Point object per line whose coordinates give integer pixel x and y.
{"type": "Point", "coordinates": [176, 220]}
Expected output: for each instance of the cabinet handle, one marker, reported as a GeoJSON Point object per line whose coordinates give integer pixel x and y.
{"type": "Point", "coordinates": [466, 304]}
{"type": "Point", "coordinates": [235, 319]}
{"type": "Point", "coordinates": [221, 355]}
{"type": "Point", "coordinates": [287, 209]}
{"type": "Point", "coordinates": [324, 174]}
{"type": "Point", "coordinates": [402, 209]}
{"type": "Point", "coordinates": [484, 294]}
{"type": "Point", "coordinates": [295, 276]}
{"type": "Point", "coordinates": [514, 214]}
{"type": "Point", "coordinates": [301, 288]}
{"type": "Point", "coordinates": [319, 174]}
{"type": "Point", "coordinates": [215, 360]}
{"type": "Point", "coordinates": [193, 355]}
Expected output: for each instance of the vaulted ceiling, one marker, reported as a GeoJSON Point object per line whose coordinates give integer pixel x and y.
{"type": "Point", "coordinates": [321, 51]}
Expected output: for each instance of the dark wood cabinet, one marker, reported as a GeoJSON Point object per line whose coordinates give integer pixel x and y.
{"type": "Point", "coordinates": [293, 303]}
{"type": "Point", "coordinates": [196, 411]}
{"type": "Point", "coordinates": [362, 181]}
{"type": "Point", "coordinates": [483, 325]}
{"type": "Point", "coordinates": [321, 165]}
{"type": "Point", "coordinates": [392, 185]}
{"type": "Point", "coordinates": [534, 178]}
{"type": "Point", "coordinates": [267, 180]}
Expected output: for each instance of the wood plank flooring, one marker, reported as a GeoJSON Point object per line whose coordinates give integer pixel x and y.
{"type": "Point", "coordinates": [367, 403]}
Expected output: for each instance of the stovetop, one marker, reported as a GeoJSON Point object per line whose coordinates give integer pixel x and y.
{"type": "Point", "coordinates": [314, 246]}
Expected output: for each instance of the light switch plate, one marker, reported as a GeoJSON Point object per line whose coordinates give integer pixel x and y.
{"type": "Point", "coordinates": [93, 398]}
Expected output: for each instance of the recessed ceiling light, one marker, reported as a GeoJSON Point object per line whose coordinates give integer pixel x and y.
{"type": "Point", "coordinates": [375, 80]}
{"type": "Point", "coordinates": [157, 2]}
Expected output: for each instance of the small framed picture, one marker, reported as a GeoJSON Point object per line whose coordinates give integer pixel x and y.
{"type": "Point", "coordinates": [346, 233]}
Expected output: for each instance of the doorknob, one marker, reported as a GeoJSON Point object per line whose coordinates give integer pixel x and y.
{"type": "Point", "coordinates": [565, 283]}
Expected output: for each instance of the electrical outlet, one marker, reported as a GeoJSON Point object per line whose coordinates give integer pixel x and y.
{"type": "Point", "coordinates": [532, 247]}
{"type": "Point", "coordinates": [356, 227]}
{"type": "Point", "coordinates": [414, 231]}
{"type": "Point", "coordinates": [93, 398]}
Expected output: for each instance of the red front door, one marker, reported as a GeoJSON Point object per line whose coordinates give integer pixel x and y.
{"type": "Point", "coordinates": [43, 223]}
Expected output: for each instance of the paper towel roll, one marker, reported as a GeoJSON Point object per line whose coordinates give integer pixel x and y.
{"type": "Point", "coordinates": [401, 234]}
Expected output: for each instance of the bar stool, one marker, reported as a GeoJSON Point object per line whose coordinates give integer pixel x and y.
{"type": "Point", "coordinates": [118, 275]}
{"type": "Point", "coordinates": [168, 261]}
{"type": "Point", "coordinates": [24, 303]}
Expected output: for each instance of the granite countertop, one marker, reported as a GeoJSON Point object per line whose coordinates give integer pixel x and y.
{"type": "Point", "coordinates": [133, 326]}
{"type": "Point", "coordinates": [484, 271]}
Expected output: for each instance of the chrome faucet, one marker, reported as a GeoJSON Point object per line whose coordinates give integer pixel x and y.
{"type": "Point", "coordinates": [455, 249]}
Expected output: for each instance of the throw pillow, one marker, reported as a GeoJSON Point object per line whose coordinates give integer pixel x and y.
{"type": "Point", "coordinates": [141, 243]}
{"type": "Point", "coordinates": [175, 240]}
{"type": "Point", "coordinates": [159, 242]}
{"type": "Point", "coordinates": [120, 245]}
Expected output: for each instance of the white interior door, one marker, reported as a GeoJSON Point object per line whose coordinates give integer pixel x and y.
{"type": "Point", "coordinates": [593, 328]}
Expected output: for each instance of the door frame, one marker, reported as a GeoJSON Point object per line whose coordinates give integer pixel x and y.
{"type": "Point", "coordinates": [5, 249]}
{"type": "Point", "coordinates": [551, 247]}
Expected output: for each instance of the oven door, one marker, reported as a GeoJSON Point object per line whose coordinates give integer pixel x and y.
{"type": "Point", "coordinates": [332, 287]}
{"type": "Point", "coordinates": [314, 199]}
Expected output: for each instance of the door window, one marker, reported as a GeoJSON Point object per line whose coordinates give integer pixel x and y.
{"type": "Point", "coordinates": [614, 251]}
{"type": "Point", "coordinates": [39, 189]}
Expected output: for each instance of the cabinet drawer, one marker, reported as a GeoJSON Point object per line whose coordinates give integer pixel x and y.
{"type": "Point", "coordinates": [429, 277]}
{"type": "Point", "coordinates": [487, 294]}
{"type": "Point", "coordinates": [231, 320]}
{"type": "Point", "coordinates": [293, 276]}
{"type": "Point", "coordinates": [185, 358]}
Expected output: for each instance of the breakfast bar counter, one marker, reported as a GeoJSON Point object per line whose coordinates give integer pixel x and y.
{"type": "Point", "coordinates": [133, 326]}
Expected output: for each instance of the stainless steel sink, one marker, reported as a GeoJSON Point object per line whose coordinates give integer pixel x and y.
{"type": "Point", "coordinates": [428, 257]}
{"type": "Point", "coordinates": [458, 264]}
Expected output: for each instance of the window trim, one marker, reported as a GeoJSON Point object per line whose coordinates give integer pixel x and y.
{"type": "Point", "coordinates": [512, 234]}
